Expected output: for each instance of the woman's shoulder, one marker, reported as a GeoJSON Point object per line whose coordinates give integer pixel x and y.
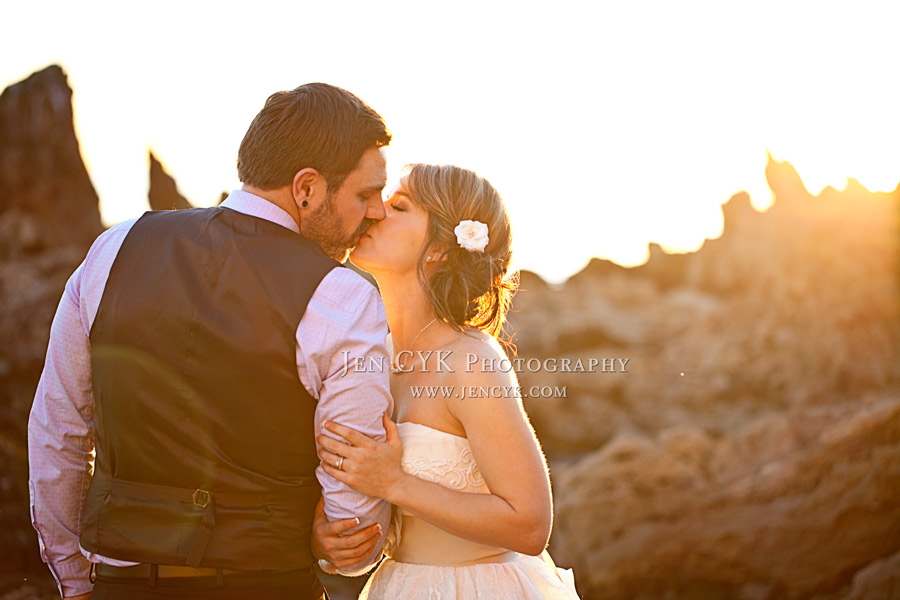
{"type": "Point", "coordinates": [473, 342]}
{"type": "Point", "coordinates": [474, 353]}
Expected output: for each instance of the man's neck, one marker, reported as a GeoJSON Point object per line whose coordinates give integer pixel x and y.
{"type": "Point", "coordinates": [280, 197]}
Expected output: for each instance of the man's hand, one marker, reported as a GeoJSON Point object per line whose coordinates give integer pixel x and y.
{"type": "Point", "coordinates": [341, 550]}
{"type": "Point", "coordinates": [80, 597]}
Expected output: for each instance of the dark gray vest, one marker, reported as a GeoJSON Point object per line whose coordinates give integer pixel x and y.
{"type": "Point", "coordinates": [204, 433]}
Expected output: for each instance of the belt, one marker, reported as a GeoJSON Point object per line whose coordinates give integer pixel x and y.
{"type": "Point", "coordinates": [145, 571]}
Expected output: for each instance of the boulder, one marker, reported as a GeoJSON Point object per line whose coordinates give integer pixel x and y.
{"type": "Point", "coordinates": [799, 505]}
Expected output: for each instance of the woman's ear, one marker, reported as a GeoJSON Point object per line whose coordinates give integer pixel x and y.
{"type": "Point", "coordinates": [435, 255]}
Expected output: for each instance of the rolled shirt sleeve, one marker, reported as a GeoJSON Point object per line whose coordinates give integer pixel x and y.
{"type": "Point", "coordinates": [342, 359]}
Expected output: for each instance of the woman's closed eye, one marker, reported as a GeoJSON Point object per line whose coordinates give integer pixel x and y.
{"type": "Point", "coordinates": [396, 206]}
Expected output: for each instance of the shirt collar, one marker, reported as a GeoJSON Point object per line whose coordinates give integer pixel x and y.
{"type": "Point", "coordinates": [251, 204]}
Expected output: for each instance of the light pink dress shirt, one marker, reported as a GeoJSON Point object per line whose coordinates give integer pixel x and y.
{"type": "Point", "coordinates": [345, 317]}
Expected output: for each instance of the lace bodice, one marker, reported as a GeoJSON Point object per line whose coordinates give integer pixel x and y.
{"type": "Point", "coordinates": [446, 459]}
{"type": "Point", "coordinates": [440, 457]}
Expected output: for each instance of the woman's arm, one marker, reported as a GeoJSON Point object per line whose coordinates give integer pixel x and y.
{"type": "Point", "coordinates": [516, 514]}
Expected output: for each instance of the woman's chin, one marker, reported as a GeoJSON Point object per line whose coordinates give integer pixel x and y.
{"type": "Point", "coordinates": [361, 260]}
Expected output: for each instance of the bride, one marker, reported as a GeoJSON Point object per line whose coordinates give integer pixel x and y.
{"type": "Point", "coordinates": [462, 467]}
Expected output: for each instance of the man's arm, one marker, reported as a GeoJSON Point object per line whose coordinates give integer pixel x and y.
{"type": "Point", "coordinates": [345, 321]}
{"type": "Point", "coordinates": [60, 428]}
{"type": "Point", "coordinates": [60, 442]}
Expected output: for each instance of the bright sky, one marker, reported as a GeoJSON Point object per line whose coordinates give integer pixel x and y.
{"type": "Point", "coordinates": [605, 125]}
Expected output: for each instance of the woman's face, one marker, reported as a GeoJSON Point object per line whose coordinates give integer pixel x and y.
{"type": "Point", "coordinates": [393, 244]}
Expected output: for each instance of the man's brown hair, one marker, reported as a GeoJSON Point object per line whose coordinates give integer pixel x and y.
{"type": "Point", "coordinates": [317, 126]}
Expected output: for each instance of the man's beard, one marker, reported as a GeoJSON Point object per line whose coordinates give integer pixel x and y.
{"type": "Point", "coordinates": [325, 227]}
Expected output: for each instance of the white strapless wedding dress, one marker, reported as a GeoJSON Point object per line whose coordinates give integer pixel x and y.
{"type": "Point", "coordinates": [428, 563]}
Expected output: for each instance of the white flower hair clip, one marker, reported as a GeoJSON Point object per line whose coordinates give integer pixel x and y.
{"type": "Point", "coordinates": [472, 235]}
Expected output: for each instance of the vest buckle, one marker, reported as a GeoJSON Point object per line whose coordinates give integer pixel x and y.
{"type": "Point", "coordinates": [201, 498]}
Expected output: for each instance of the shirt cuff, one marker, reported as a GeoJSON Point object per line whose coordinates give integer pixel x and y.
{"type": "Point", "coordinates": [73, 576]}
{"type": "Point", "coordinates": [332, 570]}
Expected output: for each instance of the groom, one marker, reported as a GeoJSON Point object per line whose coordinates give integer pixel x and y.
{"type": "Point", "coordinates": [198, 353]}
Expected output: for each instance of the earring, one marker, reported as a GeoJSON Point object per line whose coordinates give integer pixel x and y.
{"type": "Point", "coordinates": [304, 204]}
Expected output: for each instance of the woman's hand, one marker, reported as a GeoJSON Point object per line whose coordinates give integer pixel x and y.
{"type": "Point", "coordinates": [368, 466]}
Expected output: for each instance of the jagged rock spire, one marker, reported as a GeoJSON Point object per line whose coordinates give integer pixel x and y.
{"type": "Point", "coordinates": [164, 193]}
{"type": "Point", "coordinates": [46, 195]}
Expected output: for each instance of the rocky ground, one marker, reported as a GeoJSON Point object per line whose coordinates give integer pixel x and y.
{"type": "Point", "coordinates": [750, 449]}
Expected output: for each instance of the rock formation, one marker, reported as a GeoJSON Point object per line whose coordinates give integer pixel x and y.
{"type": "Point", "coordinates": [48, 200]}
{"type": "Point", "coordinates": [164, 194]}
{"type": "Point", "coordinates": [48, 217]}
{"type": "Point", "coordinates": [751, 449]}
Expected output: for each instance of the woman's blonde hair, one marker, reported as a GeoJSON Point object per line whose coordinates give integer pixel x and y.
{"type": "Point", "coordinates": [468, 289]}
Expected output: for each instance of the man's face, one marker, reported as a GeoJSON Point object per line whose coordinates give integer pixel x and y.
{"type": "Point", "coordinates": [347, 213]}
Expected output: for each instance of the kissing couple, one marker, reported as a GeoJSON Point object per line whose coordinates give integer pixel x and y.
{"type": "Point", "coordinates": [195, 433]}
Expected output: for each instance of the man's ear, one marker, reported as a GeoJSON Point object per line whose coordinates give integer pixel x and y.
{"type": "Point", "coordinates": [308, 188]}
